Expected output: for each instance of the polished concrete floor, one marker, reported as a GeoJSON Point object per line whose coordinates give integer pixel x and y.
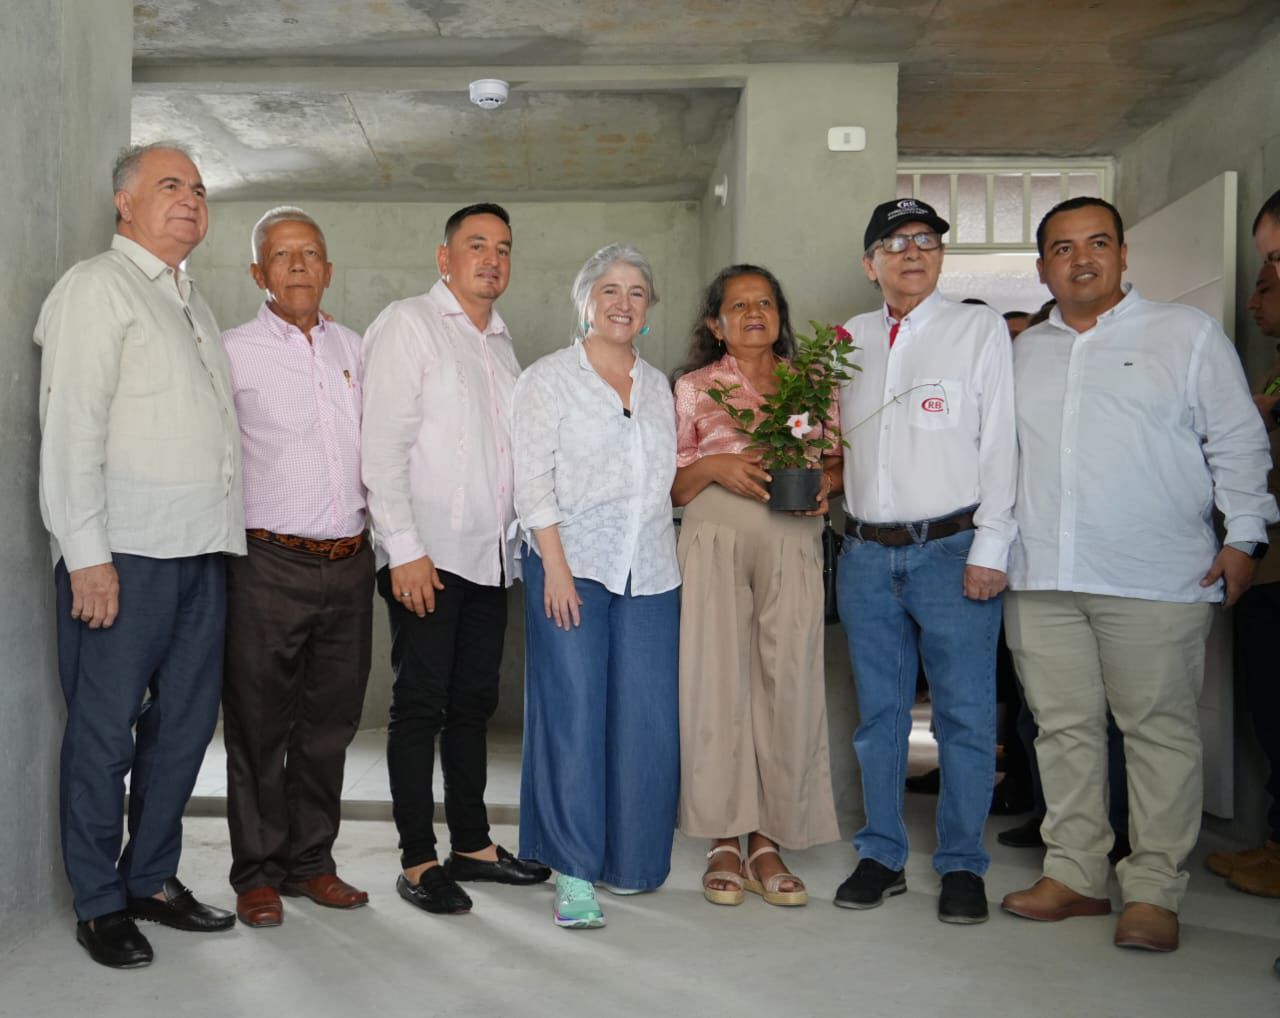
{"type": "Point", "coordinates": [667, 953]}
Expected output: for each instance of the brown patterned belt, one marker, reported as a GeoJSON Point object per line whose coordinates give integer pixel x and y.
{"type": "Point", "coordinates": [899, 535]}
{"type": "Point", "coordinates": [343, 547]}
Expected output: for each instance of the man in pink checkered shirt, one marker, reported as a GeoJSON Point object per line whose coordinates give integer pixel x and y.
{"type": "Point", "coordinates": [299, 607]}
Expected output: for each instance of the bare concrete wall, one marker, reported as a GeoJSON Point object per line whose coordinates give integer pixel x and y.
{"type": "Point", "coordinates": [65, 75]}
{"type": "Point", "coordinates": [1233, 124]}
{"type": "Point", "coordinates": [385, 251]}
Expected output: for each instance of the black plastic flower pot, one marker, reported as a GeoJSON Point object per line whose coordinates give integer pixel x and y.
{"type": "Point", "coordinates": [794, 488]}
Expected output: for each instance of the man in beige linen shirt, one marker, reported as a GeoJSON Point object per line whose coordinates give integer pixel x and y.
{"type": "Point", "coordinates": [140, 492]}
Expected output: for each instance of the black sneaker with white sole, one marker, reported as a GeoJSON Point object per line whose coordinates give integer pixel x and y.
{"type": "Point", "coordinates": [869, 884]}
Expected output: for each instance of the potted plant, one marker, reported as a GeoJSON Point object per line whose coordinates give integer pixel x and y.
{"type": "Point", "coordinates": [790, 428]}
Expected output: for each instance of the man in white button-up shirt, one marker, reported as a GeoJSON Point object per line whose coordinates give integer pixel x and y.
{"type": "Point", "coordinates": [1134, 419]}
{"type": "Point", "coordinates": [928, 481]}
{"type": "Point", "coordinates": [140, 491]}
{"type": "Point", "coordinates": [436, 453]}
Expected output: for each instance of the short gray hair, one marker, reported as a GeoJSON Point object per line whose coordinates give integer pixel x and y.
{"type": "Point", "coordinates": [281, 214]}
{"type": "Point", "coordinates": [596, 266]}
{"type": "Point", "coordinates": [127, 162]}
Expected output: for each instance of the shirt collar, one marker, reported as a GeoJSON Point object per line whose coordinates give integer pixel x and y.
{"type": "Point", "coordinates": [449, 308]}
{"type": "Point", "coordinates": [584, 362]}
{"type": "Point", "coordinates": [152, 266]}
{"type": "Point", "coordinates": [1127, 303]}
{"type": "Point", "coordinates": [919, 314]}
{"type": "Point", "coordinates": [273, 323]}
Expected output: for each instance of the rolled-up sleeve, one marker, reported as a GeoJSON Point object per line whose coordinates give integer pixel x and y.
{"type": "Point", "coordinates": [82, 332]}
{"type": "Point", "coordinates": [394, 362]}
{"type": "Point", "coordinates": [535, 428]}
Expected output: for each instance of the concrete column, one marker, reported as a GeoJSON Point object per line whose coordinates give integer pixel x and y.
{"type": "Point", "coordinates": [800, 210]}
{"type": "Point", "coordinates": [65, 71]}
{"type": "Point", "coordinates": [797, 207]}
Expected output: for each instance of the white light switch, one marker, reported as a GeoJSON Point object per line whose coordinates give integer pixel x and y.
{"type": "Point", "coordinates": [847, 139]}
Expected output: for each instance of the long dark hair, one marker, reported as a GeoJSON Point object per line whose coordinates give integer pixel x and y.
{"type": "Point", "coordinates": [704, 348]}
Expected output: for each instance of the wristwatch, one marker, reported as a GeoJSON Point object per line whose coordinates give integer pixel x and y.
{"type": "Point", "coordinates": [1256, 550]}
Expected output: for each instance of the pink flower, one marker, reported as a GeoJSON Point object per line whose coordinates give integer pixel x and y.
{"type": "Point", "coordinates": [842, 336]}
{"type": "Point", "coordinates": [799, 424]}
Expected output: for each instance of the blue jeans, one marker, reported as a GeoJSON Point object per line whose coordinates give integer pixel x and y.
{"type": "Point", "coordinates": [601, 772]}
{"type": "Point", "coordinates": [898, 605]}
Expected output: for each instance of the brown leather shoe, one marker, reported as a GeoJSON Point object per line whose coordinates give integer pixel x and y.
{"type": "Point", "coordinates": [1226, 864]}
{"type": "Point", "coordinates": [1261, 878]}
{"type": "Point", "coordinates": [260, 907]}
{"type": "Point", "coordinates": [1147, 927]}
{"type": "Point", "coordinates": [328, 890]}
{"type": "Point", "coordinates": [1049, 900]}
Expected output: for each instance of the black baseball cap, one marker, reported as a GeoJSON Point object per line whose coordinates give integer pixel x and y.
{"type": "Point", "coordinates": [887, 216]}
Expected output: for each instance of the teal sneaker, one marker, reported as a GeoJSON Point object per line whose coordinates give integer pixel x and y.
{"type": "Point", "coordinates": [576, 906]}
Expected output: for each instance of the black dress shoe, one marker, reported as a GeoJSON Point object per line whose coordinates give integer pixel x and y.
{"type": "Point", "coordinates": [507, 870]}
{"type": "Point", "coordinates": [1026, 835]}
{"type": "Point", "coordinates": [181, 910]}
{"type": "Point", "coordinates": [115, 942]}
{"type": "Point", "coordinates": [963, 899]}
{"type": "Point", "coordinates": [435, 892]}
{"type": "Point", "coordinates": [868, 885]}
{"type": "Point", "coordinates": [927, 783]}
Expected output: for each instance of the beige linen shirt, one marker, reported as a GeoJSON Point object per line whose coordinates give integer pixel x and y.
{"type": "Point", "coordinates": [140, 449]}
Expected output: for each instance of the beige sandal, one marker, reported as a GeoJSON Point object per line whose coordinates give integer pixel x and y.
{"type": "Point", "coordinates": [718, 895]}
{"type": "Point", "coordinates": [770, 889]}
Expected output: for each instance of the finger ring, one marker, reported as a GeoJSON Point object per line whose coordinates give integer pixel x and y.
{"type": "Point", "coordinates": [404, 593]}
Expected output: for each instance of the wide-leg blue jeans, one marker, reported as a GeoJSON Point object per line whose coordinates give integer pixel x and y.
{"type": "Point", "coordinates": [601, 772]}
{"type": "Point", "coordinates": [899, 605]}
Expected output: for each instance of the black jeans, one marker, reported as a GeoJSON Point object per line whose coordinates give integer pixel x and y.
{"type": "Point", "coordinates": [1256, 617]}
{"type": "Point", "coordinates": [446, 683]}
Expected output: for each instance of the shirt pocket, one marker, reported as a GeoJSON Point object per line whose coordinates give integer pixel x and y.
{"type": "Point", "coordinates": [936, 404]}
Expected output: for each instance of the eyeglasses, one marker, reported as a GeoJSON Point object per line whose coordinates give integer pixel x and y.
{"type": "Point", "coordinates": [897, 243]}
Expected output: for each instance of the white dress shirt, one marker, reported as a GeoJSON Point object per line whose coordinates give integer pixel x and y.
{"type": "Point", "coordinates": [299, 408]}
{"type": "Point", "coordinates": [436, 438]}
{"type": "Point", "coordinates": [1129, 433]}
{"type": "Point", "coordinates": [140, 450]}
{"type": "Point", "coordinates": [930, 422]}
{"type": "Point", "coordinates": [604, 479]}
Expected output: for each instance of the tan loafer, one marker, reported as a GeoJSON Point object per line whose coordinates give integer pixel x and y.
{"type": "Point", "coordinates": [1262, 878]}
{"type": "Point", "coordinates": [1226, 864]}
{"type": "Point", "coordinates": [1049, 901]}
{"type": "Point", "coordinates": [1147, 927]}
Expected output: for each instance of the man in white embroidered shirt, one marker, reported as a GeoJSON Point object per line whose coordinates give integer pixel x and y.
{"type": "Point", "coordinates": [436, 450]}
{"type": "Point", "coordinates": [140, 491]}
{"type": "Point", "coordinates": [929, 485]}
{"type": "Point", "coordinates": [1134, 418]}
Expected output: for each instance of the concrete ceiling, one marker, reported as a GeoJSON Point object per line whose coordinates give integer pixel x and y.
{"type": "Point", "coordinates": [367, 98]}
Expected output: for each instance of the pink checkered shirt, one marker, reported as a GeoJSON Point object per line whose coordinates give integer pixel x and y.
{"type": "Point", "coordinates": [299, 410]}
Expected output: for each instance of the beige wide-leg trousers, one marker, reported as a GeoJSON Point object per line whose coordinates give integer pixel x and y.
{"type": "Point", "coordinates": [753, 712]}
{"type": "Point", "coordinates": [1076, 654]}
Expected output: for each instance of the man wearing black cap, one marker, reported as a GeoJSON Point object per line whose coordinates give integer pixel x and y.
{"type": "Point", "coordinates": [929, 484]}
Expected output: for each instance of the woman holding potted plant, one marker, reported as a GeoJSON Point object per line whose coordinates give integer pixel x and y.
{"type": "Point", "coordinates": [594, 453]}
{"type": "Point", "coordinates": [753, 724]}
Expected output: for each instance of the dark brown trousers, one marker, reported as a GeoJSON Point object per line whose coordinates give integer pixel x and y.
{"type": "Point", "coordinates": [299, 641]}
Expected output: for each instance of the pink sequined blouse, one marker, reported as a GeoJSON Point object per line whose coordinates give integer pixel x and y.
{"type": "Point", "coordinates": [702, 426]}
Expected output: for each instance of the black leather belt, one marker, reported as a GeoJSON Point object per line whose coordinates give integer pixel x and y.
{"type": "Point", "coordinates": [899, 535]}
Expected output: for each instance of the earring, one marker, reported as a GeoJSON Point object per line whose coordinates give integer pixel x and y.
{"type": "Point", "coordinates": [586, 326]}
{"type": "Point", "coordinates": [644, 331]}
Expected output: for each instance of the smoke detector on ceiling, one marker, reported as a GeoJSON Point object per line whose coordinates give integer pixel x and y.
{"type": "Point", "coordinates": [489, 93]}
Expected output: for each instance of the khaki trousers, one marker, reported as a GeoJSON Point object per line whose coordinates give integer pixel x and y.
{"type": "Point", "coordinates": [1077, 654]}
{"type": "Point", "coordinates": [753, 712]}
